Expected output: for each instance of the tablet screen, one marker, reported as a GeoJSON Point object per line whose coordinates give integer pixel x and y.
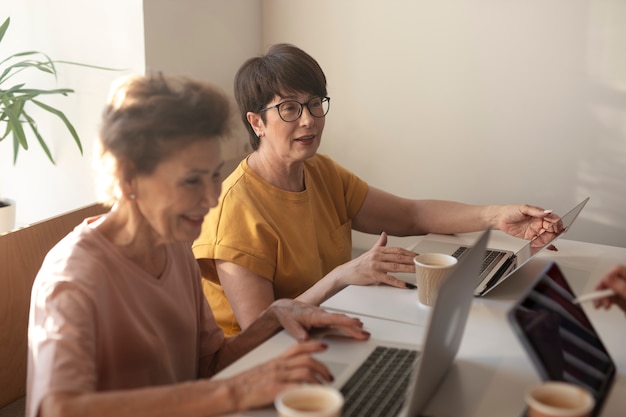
{"type": "Point", "coordinates": [559, 338]}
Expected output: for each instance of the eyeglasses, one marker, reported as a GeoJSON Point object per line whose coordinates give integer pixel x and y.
{"type": "Point", "coordinates": [291, 110]}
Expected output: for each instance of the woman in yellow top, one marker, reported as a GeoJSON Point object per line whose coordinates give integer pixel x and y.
{"type": "Point", "coordinates": [283, 224]}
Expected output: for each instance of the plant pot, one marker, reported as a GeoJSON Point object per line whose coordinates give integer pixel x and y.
{"type": "Point", "coordinates": [7, 215]}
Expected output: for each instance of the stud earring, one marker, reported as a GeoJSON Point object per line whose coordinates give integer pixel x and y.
{"type": "Point", "coordinates": [132, 196]}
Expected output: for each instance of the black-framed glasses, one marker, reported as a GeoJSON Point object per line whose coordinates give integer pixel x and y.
{"type": "Point", "coordinates": [291, 110]}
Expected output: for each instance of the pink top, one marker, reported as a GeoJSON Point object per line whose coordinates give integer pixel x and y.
{"type": "Point", "coordinates": [99, 322]}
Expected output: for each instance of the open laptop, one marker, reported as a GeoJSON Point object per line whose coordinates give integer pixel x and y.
{"type": "Point", "coordinates": [559, 337]}
{"type": "Point", "coordinates": [499, 264]}
{"type": "Point", "coordinates": [410, 376]}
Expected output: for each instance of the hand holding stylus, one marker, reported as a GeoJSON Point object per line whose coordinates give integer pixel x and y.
{"type": "Point", "coordinates": [594, 295]}
{"type": "Point", "coordinates": [614, 280]}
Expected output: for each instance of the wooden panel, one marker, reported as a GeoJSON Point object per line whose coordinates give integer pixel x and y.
{"type": "Point", "coordinates": [21, 254]}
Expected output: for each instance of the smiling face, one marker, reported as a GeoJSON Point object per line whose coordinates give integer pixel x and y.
{"type": "Point", "coordinates": [288, 142]}
{"type": "Point", "coordinates": [177, 195]}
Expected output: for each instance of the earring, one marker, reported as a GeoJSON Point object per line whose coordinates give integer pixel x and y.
{"type": "Point", "coordinates": [132, 196]}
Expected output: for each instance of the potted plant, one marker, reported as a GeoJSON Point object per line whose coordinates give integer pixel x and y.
{"type": "Point", "coordinates": [16, 101]}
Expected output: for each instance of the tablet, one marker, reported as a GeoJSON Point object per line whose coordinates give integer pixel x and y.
{"type": "Point", "coordinates": [559, 338]}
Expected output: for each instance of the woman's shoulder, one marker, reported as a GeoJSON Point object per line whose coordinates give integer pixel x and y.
{"type": "Point", "coordinates": [322, 162]}
{"type": "Point", "coordinates": [326, 166]}
{"type": "Point", "coordinates": [84, 250]}
{"type": "Point", "coordinates": [241, 175]}
{"type": "Point", "coordinates": [81, 241]}
{"type": "Point", "coordinates": [320, 159]}
{"type": "Point", "coordinates": [73, 262]}
{"type": "Point", "coordinates": [244, 184]}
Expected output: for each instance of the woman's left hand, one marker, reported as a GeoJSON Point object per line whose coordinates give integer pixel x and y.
{"type": "Point", "coordinates": [299, 318]}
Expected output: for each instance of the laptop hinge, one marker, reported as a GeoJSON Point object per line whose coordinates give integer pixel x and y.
{"type": "Point", "coordinates": [499, 274]}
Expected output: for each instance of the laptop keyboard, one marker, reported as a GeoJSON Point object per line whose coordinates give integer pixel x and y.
{"type": "Point", "coordinates": [491, 256]}
{"type": "Point", "coordinates": [378, 387]}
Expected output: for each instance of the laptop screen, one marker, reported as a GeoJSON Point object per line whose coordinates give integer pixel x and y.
{"type": "Point", "coordinates": [559, 338]}
{"type": "Point", "coordinates": [527, 252]}
{"type": "Point", "coordinates": [535, 246]}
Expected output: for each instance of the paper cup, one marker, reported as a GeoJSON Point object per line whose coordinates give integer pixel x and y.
{"type": "Point", "coordinates": [430, 271]}
{"type": "Point", "coordinates": [559, 399]}
{"type": "Point", "coordinates": [309, 401]}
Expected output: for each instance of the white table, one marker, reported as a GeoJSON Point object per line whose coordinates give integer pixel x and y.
{"type": "Point", "coordinates": [491, 371]}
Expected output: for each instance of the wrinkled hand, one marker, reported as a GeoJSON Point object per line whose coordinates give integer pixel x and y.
{"type": "Point", "coordinates": [258, 386]}
{"type": "Point", "coordinates": [373, 266]}
{"type": "Point", "coordinates": [298, 318]}
{"type": "Point", "coordinates": [530, 223]}
{"type": "Point", "coordinates": [616, 280]}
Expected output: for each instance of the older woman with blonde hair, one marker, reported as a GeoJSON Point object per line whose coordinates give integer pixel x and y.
{"type": "Point", "coordinates": [119, 325]}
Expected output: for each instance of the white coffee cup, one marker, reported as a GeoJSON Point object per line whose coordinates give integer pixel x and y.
{"type": "Point", "coordinates": [430, 271]}
{"type": "Point", "coordinates": [309, 401]}
{"type": "Point", "coordinates": [559, 399]}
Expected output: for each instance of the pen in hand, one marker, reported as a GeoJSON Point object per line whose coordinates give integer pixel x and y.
{"type": "Point", "coordinates": [594, 295]}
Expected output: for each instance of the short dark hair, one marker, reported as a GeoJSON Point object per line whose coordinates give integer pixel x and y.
{"type": "Point", "coordinates": [285, 68]}
{"type": "Point", "coordinates": [147, 117]}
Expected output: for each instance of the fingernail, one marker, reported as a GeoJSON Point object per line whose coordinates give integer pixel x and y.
{"type": "Point", "coordinates": [410, 286]}
{"type": "Point", "coordinates": [324, 346]}
{"type": "Point", "coordinates": [548, 211]}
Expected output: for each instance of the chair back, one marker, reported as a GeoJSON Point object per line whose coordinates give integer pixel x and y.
{"type": "Point", "coordinates": [21, 254]}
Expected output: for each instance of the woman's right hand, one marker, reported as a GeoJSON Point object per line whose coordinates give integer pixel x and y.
{"type": "Point", "coordinates": [253, 388]}
{"type": "Point", "coordinates": [615, 279]}
{"type": "Point", "coordinates": [258, 386]}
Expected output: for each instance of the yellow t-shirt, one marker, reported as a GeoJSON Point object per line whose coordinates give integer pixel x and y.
{"type": "Point", "coordinates": [291, 238]}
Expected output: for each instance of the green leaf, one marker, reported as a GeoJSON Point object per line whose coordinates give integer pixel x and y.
{"type": "Point", "coordinates": [14, 101]}
{"type": "Point", "coordinates": [4, 27]}
{"type": "Point", "coordinates": [16, 147]}
{"type": "Point", "coordinates": [46, 66]}
{"type": "Point", "coordinates": [88, 66]}
{"type": "Point", "coordinates": [13, 110]}
{"type": "Point", "coordinates": [33, 127]}
{"type": "Point", "coordinates": [14, 89]}
{"type": "Point", "coordinates": [36, 92]}
{"type": "Point", "coordinates": [65, 120]}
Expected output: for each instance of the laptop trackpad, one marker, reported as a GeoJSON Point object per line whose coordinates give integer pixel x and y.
{"type": "Point", "coordinates": [336, 368]}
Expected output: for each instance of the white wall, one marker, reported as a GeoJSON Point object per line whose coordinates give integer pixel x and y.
{"type": "Point", "coordinates": [480, 101]}
{"type": "Point", "coordinates": [100, 33]}
{"type": "Point", "coordinates": [207, 40]}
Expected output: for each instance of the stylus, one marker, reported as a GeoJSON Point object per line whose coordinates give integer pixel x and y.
{"type": "Point", "coordinates": [594, 295]}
